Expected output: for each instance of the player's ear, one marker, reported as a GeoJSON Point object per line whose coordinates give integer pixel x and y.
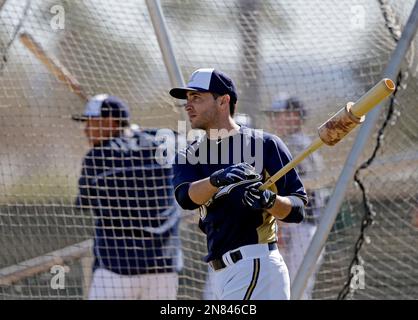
{"type": "Point", "coordinates": [225, 101]}
{"type": "Point", "coordinates": [116, 123]}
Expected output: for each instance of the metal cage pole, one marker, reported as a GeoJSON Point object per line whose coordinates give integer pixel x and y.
{"type": "Point", "coordinates": [161, 31]}
{"type": "Point", "coordinates": [328, 218]}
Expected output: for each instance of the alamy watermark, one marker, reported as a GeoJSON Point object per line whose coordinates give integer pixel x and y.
{"type": "Point", "coordinates": [57, 22]}
{"type": "Point", "coordinates": [358, 280]}
{"type": "Point", "coordinates": [58, 278]}
{"type": "Point", "coordinates": [358, 17]}
{"type": "Point", "coordinates": [246, 146]}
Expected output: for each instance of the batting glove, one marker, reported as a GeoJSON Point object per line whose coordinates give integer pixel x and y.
{"type": "Point", "coordinates": [257, 199]}
{"type": "Point", "coordinates": [235, 173]}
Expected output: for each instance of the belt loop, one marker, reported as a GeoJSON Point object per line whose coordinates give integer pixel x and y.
{"type": "Point", "coordinates": [227, 258]}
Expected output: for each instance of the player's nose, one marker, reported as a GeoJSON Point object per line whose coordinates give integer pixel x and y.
{"type": "Point", "coordinates": [87, 129]}
{"type": "Point", "coordinates": [188, 106]}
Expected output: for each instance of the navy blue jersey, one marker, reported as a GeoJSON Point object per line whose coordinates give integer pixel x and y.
{"type": "Point", "coordinates": [131, 194]}
{"type": "Point", "coordinates": [227, 223]}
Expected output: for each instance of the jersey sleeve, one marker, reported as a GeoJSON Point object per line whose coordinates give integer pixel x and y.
{"type": "Point", "coordinates": [184, 172]}
{"type": "Point", "coordinates": [277, 155]}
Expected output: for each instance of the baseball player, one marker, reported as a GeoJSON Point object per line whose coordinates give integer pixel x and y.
{"type": "Point", "coordinates": [287, 114]}
{"type": "Point", "coordinates": [245, 120]}
{"type": "Point", "coordinates": [221, 174]}
{"type": "Point", "coordinates": [136, 246]}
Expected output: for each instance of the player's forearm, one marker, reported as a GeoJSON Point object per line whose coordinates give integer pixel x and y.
{"type": "Point", "coordinates": [201, 191]}
{"type": "Point", "coordinates": [281, 208]}
{"type": "Point", "coordinates": [290, 209]}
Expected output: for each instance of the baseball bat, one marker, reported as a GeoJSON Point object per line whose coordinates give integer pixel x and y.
{"type": "Point", "coordinates": [339, 125]}
{"type": "Point", "coordinates": [53, 65]}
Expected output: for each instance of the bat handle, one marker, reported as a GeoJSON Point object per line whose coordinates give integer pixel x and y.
{"type": "Point", "coordinates": [312, 147]}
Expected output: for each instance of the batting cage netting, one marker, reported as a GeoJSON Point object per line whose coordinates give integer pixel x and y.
{"type": "Point", "coordinates": [295, 64]}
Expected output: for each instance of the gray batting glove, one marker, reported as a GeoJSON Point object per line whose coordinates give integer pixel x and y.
{"type": "Point", "coordinates": [258, 200]}
{"type": "Point", "coordinates": [235, 173]}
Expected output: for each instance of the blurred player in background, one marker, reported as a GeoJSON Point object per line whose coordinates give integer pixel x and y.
{"type": "Point", "coordinates": [287, 115]}
{"type": "Point", "coordinates": [237, 218]}
{"type": "Point", "coordinates": [136, 246]}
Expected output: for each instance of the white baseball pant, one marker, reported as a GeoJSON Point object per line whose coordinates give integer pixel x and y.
{"type": "Point", "coordinates": [107, 285]}
{"type": "Point", "coordinates": [261, 274]}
